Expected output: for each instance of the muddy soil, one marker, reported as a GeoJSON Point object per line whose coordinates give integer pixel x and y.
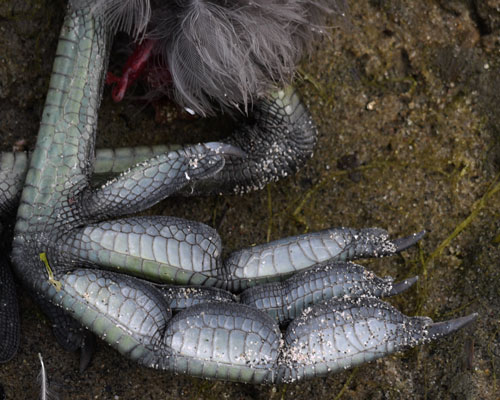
{"type": "Point", "coordinates": [406, 99]}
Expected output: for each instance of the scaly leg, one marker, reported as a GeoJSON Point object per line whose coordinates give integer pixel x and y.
{"type": "Point", "coordinates": [174, 250]}
{"type": "Point", "coordinates": [213, 340]}
{"type": "Point", "coordinates": [276, 144]}
{"type": "Point", "coordinates": [230, 341]}
{"type": "Point", "coordinates": [9, 315]}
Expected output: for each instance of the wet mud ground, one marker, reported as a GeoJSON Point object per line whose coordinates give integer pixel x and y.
{"type": "Point", "coordinates": [406, 99]}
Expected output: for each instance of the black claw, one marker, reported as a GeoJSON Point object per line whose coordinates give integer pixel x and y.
{"type": "Point", "coordinates": [440, 329]}
{"type": "Point", "coordinates": [408, 241]}
{"type": "Point", "coordinates": [87, 350]}
{"type": "Point", "coordinates": [402, 286]}
{"type": "Point", "coordinates": [226, 149]}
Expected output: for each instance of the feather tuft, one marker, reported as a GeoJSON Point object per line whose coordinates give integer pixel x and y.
{"type": "Point", "coordinates": [221, 53]}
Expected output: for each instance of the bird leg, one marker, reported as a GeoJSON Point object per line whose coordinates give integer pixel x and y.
{"type": "Point", "coordinates": [66, 251]}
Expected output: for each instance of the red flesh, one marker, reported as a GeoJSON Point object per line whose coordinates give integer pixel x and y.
{"type": "Point", "coordinates": [132, 69]}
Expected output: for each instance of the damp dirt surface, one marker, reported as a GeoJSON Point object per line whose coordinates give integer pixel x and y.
{"type": "Point", "coordinates": [406, 98]}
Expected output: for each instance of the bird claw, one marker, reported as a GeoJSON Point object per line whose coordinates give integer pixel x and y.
{"type": "Point", "coordinates": [400, 287]}
{"type": "Point", "coordinates": [408, 241]}
{"type": "Point", "coordinates": [222, 340]}
{"type": "Point", "coordinates": [439, 329]}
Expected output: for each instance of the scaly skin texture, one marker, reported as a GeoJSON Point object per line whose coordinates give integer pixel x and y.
{"type": "Point", "coordinates": [59, 211]}
{"type": "Point", "coordinates": [9, 316]}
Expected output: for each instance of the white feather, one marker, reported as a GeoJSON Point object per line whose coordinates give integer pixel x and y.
{"type": "Point", "coordinates": [45, 392]}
